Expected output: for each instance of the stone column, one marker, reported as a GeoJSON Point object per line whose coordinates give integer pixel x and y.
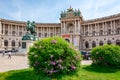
{"type": "Point", "coordinates": [79, 27]}
{"type": "Point", "coordinates": [37, 31]}
{"type": "Point", "coordinates": [91, 29]}
{"type": "Point", "coordinates": [111, 26]}
{"type": "Point", "coordinates": [98, 28]}
{"type": "Point", "coordinates": [55, 31]}
{"type": "Point", "coordinates": [24, 27]}
{"type": "Point", "coordinates": [75, 27]}
{"type": "Point", "coordinates": [0, 35]}
{"type": "Point", "coordinates": [61, 27]}
{"type": "Point", "coordinates": [103, 27]}
{"type": "Point", "coordinates": [10, 29]}
{"type": "Point", "coordinates": [22, 31]}
{"type": "Point", "coordinates": [0, 27]}
{"type": "Point", "coordinates": [95, 29]}
{"type": "Point", "coordinates": [43, 31]}
{"type": "Point", "coordinates": [114, 26]}
{"type": "Point", "coordinates": [88, 29]}
{"type": "Point", "coordinates": [64, 28]}
{"type": "Point", "coordinates": [84, 30]}
{"type": "Point", "coordinates": [47, 32]}
{"type": "Point", "coordinates": [51, 31]}
{"type": "Point", "coordinates": [18, 32]}
{"type": "Point", "coordinates": [3, 29]}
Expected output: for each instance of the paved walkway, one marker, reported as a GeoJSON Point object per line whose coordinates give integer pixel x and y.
{"type": "Point", "coordinates": [15, 63]}
{"type": "Point", "coordinates": [86, 62]}
{"type": "Point", "coordinates": [19, 62]}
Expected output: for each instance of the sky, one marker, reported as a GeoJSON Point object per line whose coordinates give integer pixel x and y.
{"type": "Point", "coordinates": [48, 11]}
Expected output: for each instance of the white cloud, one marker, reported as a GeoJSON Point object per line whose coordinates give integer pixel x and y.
{"type": "Point", "coordinates": [102, 4]}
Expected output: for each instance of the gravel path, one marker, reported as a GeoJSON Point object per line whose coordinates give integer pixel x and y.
{"type": "Point", "coordinates": [20, 62]}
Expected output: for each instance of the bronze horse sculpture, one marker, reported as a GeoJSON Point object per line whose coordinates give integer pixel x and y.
{"type": "Point", "coordinates": [31, 27]}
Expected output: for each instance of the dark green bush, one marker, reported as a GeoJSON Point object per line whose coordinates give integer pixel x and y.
{"type": "Point", "coordinates": [54, 56]}
{"type": "Point", "coordinates": [107, 55]}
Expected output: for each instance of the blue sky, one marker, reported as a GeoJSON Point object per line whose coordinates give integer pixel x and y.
{"type": "Point", "coordinates": [48, 11]}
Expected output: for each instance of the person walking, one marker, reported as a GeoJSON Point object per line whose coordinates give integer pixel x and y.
{"type": "Point", "coordinates": [9, 55]}
{"type": "Point", "coordinates": [3, 53]}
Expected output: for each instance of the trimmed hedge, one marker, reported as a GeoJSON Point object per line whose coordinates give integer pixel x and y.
{"type": "Point", "coordinates": [54, 55]}
{"type": "Point", "coordinates": [107, 55]}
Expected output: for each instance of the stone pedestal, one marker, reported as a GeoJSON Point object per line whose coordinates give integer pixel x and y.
{"type": "Point", "coordinates": [25, 46]}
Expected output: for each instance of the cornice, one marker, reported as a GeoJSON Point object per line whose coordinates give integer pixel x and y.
{"type": "Point", "coordinates": [21, 22]}
{"type": "Point", "coordinates": [102, 19]}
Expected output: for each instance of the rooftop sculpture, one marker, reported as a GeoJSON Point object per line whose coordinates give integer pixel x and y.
{"type": "Point", "coordinates": [70, 10]}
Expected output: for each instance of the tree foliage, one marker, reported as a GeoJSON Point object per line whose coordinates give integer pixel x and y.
{"type": "Point", "coordinates": [54, 55]}
{"type": "Point", "coordinates": [107, 55]}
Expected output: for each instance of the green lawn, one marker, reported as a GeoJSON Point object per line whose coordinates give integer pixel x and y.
{"type": "Point", "coordinates": [85, 73]}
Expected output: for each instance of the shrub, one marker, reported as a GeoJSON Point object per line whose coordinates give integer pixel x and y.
{"type": "Point", "coordinates": [107, 55]}
{"type": "Point", "coordinates": [54, 56]}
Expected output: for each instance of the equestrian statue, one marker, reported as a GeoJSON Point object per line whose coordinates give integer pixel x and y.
{"type": "Point", "coordinates": [31, 27]}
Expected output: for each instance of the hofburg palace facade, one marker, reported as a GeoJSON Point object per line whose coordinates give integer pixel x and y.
{"type": "Point", "coordinates": [83, 34]}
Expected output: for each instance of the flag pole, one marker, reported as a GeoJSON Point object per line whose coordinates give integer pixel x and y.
{"type": "Point", "coordinates": [69, 3]}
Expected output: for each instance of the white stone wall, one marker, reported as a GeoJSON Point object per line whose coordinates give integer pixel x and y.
{"type": "Point", "coordinates": [83, 30]}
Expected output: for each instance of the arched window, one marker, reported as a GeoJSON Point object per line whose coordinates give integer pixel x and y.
{"type": "Point", "coordinates": [13, 33]}
{"type": "Point", "coordinates": [39, 34]}
{"type": "Point", "coordinates": [67, 40]}
{"type": "Point", "coordinates": [109, 31]}
{"type": "Point", "coordinates": [6, 32]}
{"type": "Point", "coordinates": [86, 33]}
{"type": "Point", "coordinates": [93, 44]}
{"type": "Point", "coordinates": [20, 33]}
{"type": "Point", "coordinates": [70, 28]}
{"type": "Point", "coordinates": [118, 42]}
{"type": "Point", "coordinates": [109, 42]}
{"type": "Point", "coordinates": [118, 31]}
{"type": "Point", "coordinates": [51, 34]}
{"type": "Point", "coordinates": [86, 44]}
{"type": "Point", "coordinates": [13, 43]}
{"type": "Point", "coordinates": [19, 44]}
{"type": "Point", "coordinates": [101, 32]}
{"type": "Point", "coordinates": [6, 43]}
{"type": "Point", "coordinates": [93, 33]}
{"type": "Point", "coordinates": [45, 34]}
{"type": "Point", "coordinates": [101, 43]}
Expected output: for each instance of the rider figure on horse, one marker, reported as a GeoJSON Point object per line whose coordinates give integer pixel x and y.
{"type": "Point", "coordinates": [31, 27]}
